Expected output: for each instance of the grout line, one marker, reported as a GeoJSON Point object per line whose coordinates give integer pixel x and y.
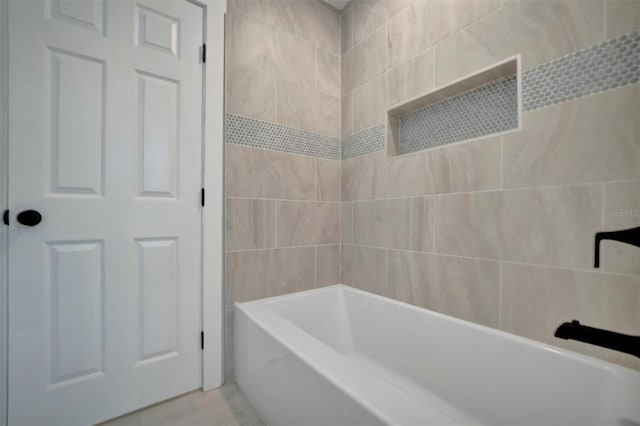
{"type": "Point", "coordinates": [505, 261]}
{"type": "Point", "coordinates": [500, 301]}
{"type": "Point", "coordinates": [282, 200]}
{"type": "Point", "coordinates": [435, 212]}
{"type": "Point", "coordinates": [275, 231]}
{"type": "Point", "coordinates": [284, 248]}
{"type": "Point", "coordinates": [482, 191]}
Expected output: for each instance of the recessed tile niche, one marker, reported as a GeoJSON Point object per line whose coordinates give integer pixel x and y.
{"type": "Point", "coordinates": [480, 105]}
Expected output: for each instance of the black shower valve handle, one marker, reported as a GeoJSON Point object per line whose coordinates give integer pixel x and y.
{"type": "Point", "coordinates": [629, 236]}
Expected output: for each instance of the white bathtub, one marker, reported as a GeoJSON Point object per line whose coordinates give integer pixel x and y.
{"type": "Point", "coordinates": [341, 356]}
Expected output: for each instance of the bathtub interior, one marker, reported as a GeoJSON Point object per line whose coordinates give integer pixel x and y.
{"type": "Point", "coordinates": [471, 372]}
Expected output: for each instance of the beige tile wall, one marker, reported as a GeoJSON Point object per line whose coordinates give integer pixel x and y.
{"type": "Point", "coordinates": [283, 211]}
{"type": "Point", "coordinates": [497, 231]}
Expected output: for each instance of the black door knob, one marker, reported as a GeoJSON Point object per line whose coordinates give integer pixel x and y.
{"type": "Point", "coordinates": [29, 218]}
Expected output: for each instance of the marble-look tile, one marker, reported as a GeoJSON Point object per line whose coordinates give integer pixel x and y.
{"type": "Point", "coordinates": [346, 22]}
{"type": "Point", "coordinates": [404, 223]}
{"type": "Point", "coordinates": [411, 79]}
{"type": "Point", "coordinates": [426, 23]}
{"type": "Point", "coordinates": [369, 104]}
{"type": "Point", "coordinates": [250, 224]}
{"type": "Point", "coordinates": [552, 226]}
{"type": "Point", "coordinates": [591, 139]}
{"type": "Point", "coordinates": [536, 300]}
{"type": "Point", "coordinates": [311, 21]}
{"type": "Point", "coordinates": [465, 167]}
{"type": "Point", "coordinates": [409, 175]}
{"type": "Point", "coordinates": [540, 30]}
{"type": "Point", "coordinates": [365, 268]}
{"type": "Point", "coordinates": [460, 287]}
{"type": "Point", "coordinates": [370, 15]}
{"type": "Point", "coordinates": [622, 17]}
{"type": "Point", "coordinates": [328, 180]}
{"type": "Point", "coordinates": [346, 234]}
{"type": "Point", "coordinates": [621, 211]}
{"type": "Point", "coordinates": [269, 49]}
{"type": "Point", "coordinates": [301, 223]}
{"type": "Point", "coordinates": [365, 61]}
{"type": "Point", "coordinates": [260, 173]}
{"type": "Point", "coordinates": [225, 406]}
{"type": "Point", "coordinates": [364, 177]}
{"type": "Point", "coordinates": [327, 265]}
{"type": "Point", "coordinates": [347, 115]}
{"type": "Point", "coordinates": [328, 73]}
{"type": "Point", "coordinates": [250, 93]}
{"type": "Point", "coordinates": [264, 273]}
{"type": "Point", "coordinates": [471, 166]}
{"type": "Point", "coordinates": [304, 108]}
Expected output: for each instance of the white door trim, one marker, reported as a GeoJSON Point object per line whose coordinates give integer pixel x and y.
{"type": "Point", "coordinates": [213, 213]}
{"type": "Point", "coordinates": [4, 180]}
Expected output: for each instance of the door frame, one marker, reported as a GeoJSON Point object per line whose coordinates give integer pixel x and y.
{"type": "Point", "coordinates": [213, 180]}
{"type": "Point", "coordinates": [212, 214]}
{"type": "Point", "coordinates": [4, 184]}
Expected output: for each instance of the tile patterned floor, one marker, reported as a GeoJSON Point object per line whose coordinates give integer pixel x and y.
{"type": "Point", "coordinates": [226, 406]}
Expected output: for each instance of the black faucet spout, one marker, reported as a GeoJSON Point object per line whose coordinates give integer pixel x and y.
{"type": "Point", "coordinates": [607, 339]}
{"type": "Point", "coordinates": [629, 236]}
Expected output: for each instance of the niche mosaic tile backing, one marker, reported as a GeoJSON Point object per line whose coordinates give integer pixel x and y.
{"type": "Point", "coordinates": [605, 66]}
{"type": "Point", "coordinates": [488, 109]}
{"type": "Point", "coordinates": [260, 134]}
{"type": "Point", "coordinates": [363, 142]}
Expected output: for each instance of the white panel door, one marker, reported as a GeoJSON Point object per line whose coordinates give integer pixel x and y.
{"type": "Point", "coordinates": [106, 143]}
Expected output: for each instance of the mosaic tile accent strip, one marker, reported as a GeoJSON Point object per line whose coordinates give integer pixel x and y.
{"type": "Point", "coordinates": [488, 109]}
{"type": "Point", "coordinates": [261, 134]}
{"type": "Point", "coordinates": [363, 142]}
{"type": "Point", "coordinates": [605, 66]}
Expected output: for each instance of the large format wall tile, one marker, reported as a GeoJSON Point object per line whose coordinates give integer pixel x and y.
{"type": "Point", "coordinates": [365, 61]}
{"type": "Point", "coordinates": [259, 173]}
{"type": "Point", "coordinates": [621, 211]}
{"type": "Point", "coordinates": [328, 73]}
{"type": "Point", "coordinates": [365, 268]}
{"type": "Point", "coordinates": [405, 223]}
{"type": "Point", "coordinates": [426, 23]}
{"type": "Point", "coordinates": [347, 115]}
{"type": "Point", "coordinates": [250, 224]}
{"type": "Point", "coordinates": [328, 180]}
{"type": "Point", "coordinates": [464, 288]}
{"type": "Point", "coordinates": [622, 17]}
{"type": "Point", "coordinates": [409, 175]}
{"type": "Point", "coordinates": [471, 166]}
{"type": "Point", "coordinates": [327, 265]}
{"type": "Point", "coordinates": [346, 22]}
{"type": "Point", "coordinates": [364, 177]}
{"type": "Point", "coordinates": [269, 49]}
{"type": "Point", "coordinates": [412, 78]}
{"type": "Point", "coordinates": [368, 16]}
{"type": "Point", "coordinates": [553, 226]}
{"type": "Point", "coordinates": [306, 223]}
{"type": "Point", "coordinates": [250, 93]}
{"type": "Point", "coordinates": [369, 102]}
{"type": "Point", "coordinates": [265, 273]}
{"type": "Point", "coordinates": [540, 30]}
{"type": "Point", "coordinates": [536, 300]}
{"type": "Point", "coordinates": [312, 21]}
{"type": "Point", "coordinates": [346, 221]}
{"type": "Point", "coordinates": [591, 139]}
{"type": "Point", "coordinates": [304, 108]}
